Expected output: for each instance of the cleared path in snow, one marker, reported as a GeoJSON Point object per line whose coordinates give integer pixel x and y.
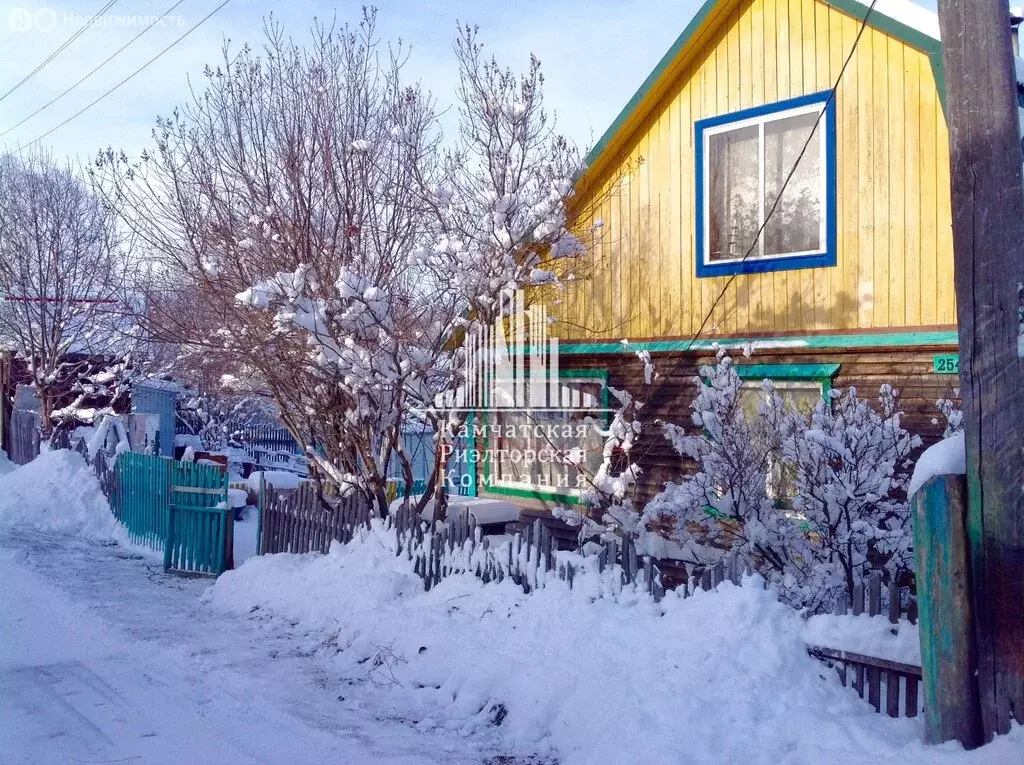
{"type": "Point", "coordinates": [104, 658]}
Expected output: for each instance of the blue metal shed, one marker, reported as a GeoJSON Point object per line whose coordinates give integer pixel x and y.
{"type": "Point", "coordinates": [158, 397]}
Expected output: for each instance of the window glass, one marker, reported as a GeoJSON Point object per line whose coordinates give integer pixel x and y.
{"type": "Point", "coordinates": [769, 171]}
{"type": "Point", "coordinates": [536, 450]}
{"type": "Point", "coordinates": [802, 396]}
{"type": "Point", "coordinates": [796, 224]}
{"type": "Point", "coordinates": [735, 192]}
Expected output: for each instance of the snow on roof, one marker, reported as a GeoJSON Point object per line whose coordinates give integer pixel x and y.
{"type": "Point", "coordinates": [907, 13]}
{"type": "Point", "coordinates": [154, 383]}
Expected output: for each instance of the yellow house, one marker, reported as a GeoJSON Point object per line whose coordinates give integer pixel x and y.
{"type": "Point", "coordinates": [781, 179]}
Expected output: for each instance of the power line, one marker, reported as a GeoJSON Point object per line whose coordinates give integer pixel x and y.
{"type": "Point", "coordinates": [63, 46]}
{"type": "Point", "coordinates": [106, 61]}
{"type": "Point", "coordinates": [732, 277]}
{"type": "Point", "coordinates": [88, 106]}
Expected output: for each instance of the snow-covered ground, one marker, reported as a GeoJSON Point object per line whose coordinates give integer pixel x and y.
{"type": "Point", "coordinates": [6, 466]}
{"type": "Point", "coordinates": [721, 677]}
{"type": "Point", "coordinates": [104, 658]}
{"type": "Point", "coordinates": [245, 535]}
{"type": "Point", "coordinates": [343, 658]}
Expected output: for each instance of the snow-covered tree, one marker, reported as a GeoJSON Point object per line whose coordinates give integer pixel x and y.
{"type": "Point", "coordinates": [63, 273]}
{"type": "Point", "coordinates": [501, 209]}
{"type": "Point", "coordinates": [851, 472]}
{"type": "Point", "coordinates": [328, 252]}
{"type": "Point", "coordinates": [220, 418]}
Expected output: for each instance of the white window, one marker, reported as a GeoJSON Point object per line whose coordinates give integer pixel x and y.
{"type": "Point", "coordinates": [750, 218]}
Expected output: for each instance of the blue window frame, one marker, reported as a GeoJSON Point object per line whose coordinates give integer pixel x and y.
{"type": "Point", "coordinates": [742, 162]}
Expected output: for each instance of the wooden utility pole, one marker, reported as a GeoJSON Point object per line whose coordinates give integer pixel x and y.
{"type": "Point", "coordinates": [988, 244]}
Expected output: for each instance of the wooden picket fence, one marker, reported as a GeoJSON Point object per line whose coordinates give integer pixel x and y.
{"type": "Point", "coordinates": [873, 677]}
{"type": "Point", "coordinates": [199, 520]}
{"type": "Point", "coordinates": [270, 437]}
{"type": "Point", "coordinates": [143, 508]}
{"type": "Point", "coordinates": [106, 475]}
{"type": "Point", "coordinates": [297, 521]}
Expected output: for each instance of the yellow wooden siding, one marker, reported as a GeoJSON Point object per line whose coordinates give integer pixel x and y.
{"type": "Point", "coordinates": [894, 264]}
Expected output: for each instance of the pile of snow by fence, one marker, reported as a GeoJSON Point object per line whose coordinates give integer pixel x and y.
{"type": "Point", "coordinates": [867, 635]}
{"type": "Point", "coordinates": [58, 491]}
{"type": "Point", "coordinates": [589, 674]}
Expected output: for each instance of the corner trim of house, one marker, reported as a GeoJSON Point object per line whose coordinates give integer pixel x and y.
{"type": "Point", "coordinates": [900, 31]}
{"type": "Point", "coordinates": [877, 20]}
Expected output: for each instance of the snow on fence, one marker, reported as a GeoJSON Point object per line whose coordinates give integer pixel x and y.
{"type": "Point", "coordinates": [103, 468]}
{"type": "Point", "coordinates": [876, 678]}
{"type": "Point", "coordinates": [300, 522]}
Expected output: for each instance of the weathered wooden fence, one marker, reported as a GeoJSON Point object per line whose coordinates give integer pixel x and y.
{"type": "Point", "coordinates": [297, 521]}
{"type": "Point", "coordinates": [270, 437]}
{"type": "Point", "coordinates": [872, 677]}
{"type": "Point", "coordinates": [24, 436]}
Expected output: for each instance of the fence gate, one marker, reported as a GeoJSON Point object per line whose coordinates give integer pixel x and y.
{"type": "Point", "coordinates": [143, 499]}
{"type": "Point", "coordinates": [199, 524]}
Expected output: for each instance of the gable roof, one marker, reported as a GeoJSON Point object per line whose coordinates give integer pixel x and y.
{"type": "Point", "coordinates": [902, 19]}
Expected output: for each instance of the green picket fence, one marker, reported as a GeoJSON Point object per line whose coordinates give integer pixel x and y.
{"type": "Point", "coordinates": [143, 498]}
{"type": "Point", "coordinates": [199, 526]}
{"type": "Point", "coordinates": [178, 507]}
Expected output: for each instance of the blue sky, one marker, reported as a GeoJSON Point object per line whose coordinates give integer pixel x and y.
{"type": "Point", "coordinates": [595, 53]}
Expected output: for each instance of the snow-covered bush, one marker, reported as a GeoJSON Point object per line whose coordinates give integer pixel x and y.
{"type": "Point", "coordinates": [723, 508]}
{"type": "Point", "coordinates": [851, 476]}
{"type": "Point", "coordinates": [810, 503]}
{"type": "Point", "coordinates": [952, 415]}
{"type": "Point", "coordinates": [218, 420]}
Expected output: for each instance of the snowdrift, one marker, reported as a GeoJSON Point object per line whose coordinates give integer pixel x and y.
{"type": "Point", "coordinates": [720, 677]}
{"type": "Point", "coordinates": [58, 491]}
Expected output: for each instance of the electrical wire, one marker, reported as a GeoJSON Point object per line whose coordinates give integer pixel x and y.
{"type": "Point", "coordinates": [127, 79]}
{"type": "Point", "coordinates": [61, 49]}
{"type": "Point", "coordinates": [106, 61]}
